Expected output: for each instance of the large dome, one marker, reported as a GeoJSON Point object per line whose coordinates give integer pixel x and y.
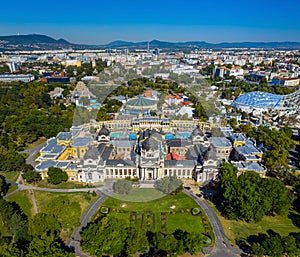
{"type": "Point", "coordinates": [141, 102]}
{"type": "Point", "coordinates": [258, 99]}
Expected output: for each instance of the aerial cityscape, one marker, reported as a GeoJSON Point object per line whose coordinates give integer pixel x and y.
{"type": "Point", "coordinates": [150, 129]}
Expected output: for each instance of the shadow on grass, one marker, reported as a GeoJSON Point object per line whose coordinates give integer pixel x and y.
{"type": "Point", "coordinates": [295, 218]}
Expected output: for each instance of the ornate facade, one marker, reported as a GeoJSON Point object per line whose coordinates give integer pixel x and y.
{"type": "Point", "coordinates": [150, 155]}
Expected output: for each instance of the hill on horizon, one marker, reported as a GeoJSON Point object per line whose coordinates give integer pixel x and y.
{"type": "Point", "coordinates": [43, 42]}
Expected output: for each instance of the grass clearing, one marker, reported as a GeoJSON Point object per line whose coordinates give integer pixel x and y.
{"type": "Point", "coordinates": [22, 198]}
{"type": "Point", "coordinates": [11, 189]}
{"type": "Point", "coordinates": [140, 195]}
{"type": "Point", "coordinates": [36, 143]}
{"type": "Point", "coordinates": [43, 198]}
{"type": "Point", "coordinates": [11, 175]}
{"type": "Point", "coordinates": [148, 215]}
{"type": "Point", "coordinates": [187, 221]}
{"type": "Point", "coordinates": [63, 185]}
{"type": "Point", "coordinates": [241, 229]}
{"type": "Point", "coordinates": [162, 204]}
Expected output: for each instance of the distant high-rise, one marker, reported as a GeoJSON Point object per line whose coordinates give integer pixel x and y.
{"type": "Point", "coordinates": [14, 67]}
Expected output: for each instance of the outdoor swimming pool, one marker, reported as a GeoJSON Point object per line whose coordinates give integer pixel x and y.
{"type": "Point", "coordinates": [116, 134]}
{"type": "Point", "coordinates": [184, 134]}
{"type": "Point", "coordinates": [169, 136]}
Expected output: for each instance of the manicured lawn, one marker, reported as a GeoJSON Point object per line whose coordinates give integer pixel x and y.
{"type": "Point", "coordinates": [241, 229]}
{"type": "Point", "coordinates": [22, 198]}
{"type": "Point", "coordinates": [148, 214]}
{"type": "Point", "coordinates": [162, 204]}
{"type": "Point", "coordinates": [184, 221]}
{"type": "Point", "coordinates": [12, 175]}
{"type": "Point", "coordinates": [140, 195]}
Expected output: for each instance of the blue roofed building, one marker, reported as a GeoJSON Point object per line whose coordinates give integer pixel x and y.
{"type": "Point", "coordinates": [222, 146]}
{"type": "Point", "coordinates": [51, 151]}
{"type": "Point", "coordinates": [248, 153]}
{"type": "Point", "coordinates": [250, 166]}
{"type": "Point", "coordinates": [258, 100]}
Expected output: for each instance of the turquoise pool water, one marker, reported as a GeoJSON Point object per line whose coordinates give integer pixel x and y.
{"type": "Point", "coordinates": [132, 136]}
{"type": "Point", "coordinates": [116, 134]}
{"type": "Point", "coordinates": [184, 134]}
{"type": "Point", "coordinates": [169, 136]}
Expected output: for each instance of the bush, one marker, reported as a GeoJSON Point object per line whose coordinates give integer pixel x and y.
{"type": "Point", "coordinates": [196, 211]}
{"type": "Point", "coordinates": [56, 175]}
{"type": "Point", "coordinates": [123, 187]}
{"type": "Point", "coordinates": [104, 210]}
{"type": "Point", "coordinates": [169, 185]}
{"type": "Point", "coordinates": [31, 176]}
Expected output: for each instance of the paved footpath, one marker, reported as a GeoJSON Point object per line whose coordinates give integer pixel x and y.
{"type": "Point", "coordinates": [74, 241]}
{"type": "Point", "coordinates": [222, 247]}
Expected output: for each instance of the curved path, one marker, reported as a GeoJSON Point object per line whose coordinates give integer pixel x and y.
{"type": "Point", "coordinates": [222, 247]}
{"type": "Point", "coordinates": [74, 241]}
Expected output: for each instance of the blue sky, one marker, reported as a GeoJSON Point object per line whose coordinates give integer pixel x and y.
{"type": "Point", "coordinates": [97, 21]}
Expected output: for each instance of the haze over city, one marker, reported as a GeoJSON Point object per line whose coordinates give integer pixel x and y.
{"type": "Point", "coordinates": [98, 22]}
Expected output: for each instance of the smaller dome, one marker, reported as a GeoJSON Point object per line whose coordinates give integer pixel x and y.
{"type": "Point", "coordinates": [197, 131]}
{"type": "Point", "coordinates": [150, 144]}
{"type": "Point", "coordinates": [103, 131]}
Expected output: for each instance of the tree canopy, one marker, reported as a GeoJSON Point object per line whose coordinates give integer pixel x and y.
{"type": "Point", "coordinates": [169, 184]}
{"type": "Point", "coordinates": [249, 197]}
{"type": "Point", "coordinates": [123, 187]}
{"type": "Point", "coordinates": [111, 236]}
{"type": "Point", "coordinates": [27, 113]}
{"type": "Point", "coordinates": [56, 175]}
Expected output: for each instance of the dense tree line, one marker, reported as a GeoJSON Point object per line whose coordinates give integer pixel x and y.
{"type": "Point", "coordinates": [35, 237]}
{"type": "Point", "coordinates": [41, 237]}
{"type": "Point", "coordinates": [112, 236]}
{"type": "Point", "coordinates": [249, 197]}
{"type": "Point", "coordinates": [273, 245]}
{"type": "Point", "coordinates": [27, 113]}
{"type": "Point", "coordinates": [278, 143]}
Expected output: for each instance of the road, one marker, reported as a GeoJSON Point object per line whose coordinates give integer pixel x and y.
{"type": "Point", "coordinates": [74, 241]}
{"type": "Point", "coordinates": [222, 247]}
{"type": "Point", "coordinates": [32, 153]}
